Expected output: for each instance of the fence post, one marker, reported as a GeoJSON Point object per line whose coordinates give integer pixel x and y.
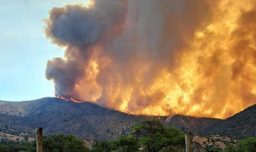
{"type": "Point", "coordinates": [188, 141]}
{"type": "Point", "coordinates": [39, 140]}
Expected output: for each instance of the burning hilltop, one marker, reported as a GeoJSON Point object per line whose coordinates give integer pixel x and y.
{"type": "Point", "coordinates": [148, 57]}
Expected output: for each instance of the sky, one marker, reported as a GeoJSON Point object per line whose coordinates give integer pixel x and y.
{"type": "Point", "coordinates": [25, 48]}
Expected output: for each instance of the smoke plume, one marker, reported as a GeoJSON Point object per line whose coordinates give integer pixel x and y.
{"type": "Point", "coordinates": [78, 29]}
{"type": "Point", "coordinates": [194, 57]}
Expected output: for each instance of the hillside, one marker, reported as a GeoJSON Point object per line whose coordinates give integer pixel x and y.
{"type": "Point", "coordinates": [240, 125]}
{"type": "Point", "coordinates": [85, 120]}
{"type": "Point", "coordinates": [191, 124]}
{"type": "Point", "coordinates": [90, 121]}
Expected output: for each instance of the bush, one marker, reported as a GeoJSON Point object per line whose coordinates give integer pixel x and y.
{"type": "Point", "coordinates": [103, 146]}
{"type": "Point", "coordinates": [17, 147]}
{"type": "Point", "coordinates": [245, 145]}
{"type": "Point", "coordinates": [55, 143]}
{"type": "Point", "coordinates": [61, 143]}
{"type": "Point", "coordinates": [3, 148]}
{"type": "Point", "coordinates": [126, 144]}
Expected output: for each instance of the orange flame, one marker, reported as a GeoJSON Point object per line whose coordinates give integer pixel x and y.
{"type": "Point", "coordinates": [68, 99]}
{"type": "Point", "coordinates": [213, 76]}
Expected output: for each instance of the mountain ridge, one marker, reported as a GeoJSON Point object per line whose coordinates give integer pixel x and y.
{"type": "Point", "coordinates": [91, 121]}
{"type": "Point", "coordinates": [86, 120]}
{"type": "Point", "coordinates": [240, 125]}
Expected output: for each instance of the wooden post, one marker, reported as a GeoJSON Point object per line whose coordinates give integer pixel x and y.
{"type": "Point", "coordinates": [188, 140]}
{"type": "Point", "coordinates": [39, 140]}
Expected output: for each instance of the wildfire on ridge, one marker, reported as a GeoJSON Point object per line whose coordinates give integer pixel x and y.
{"type": "Point", "coordinates": [68, 99]}
{"type": "Point", "coordinates": [146, 57]}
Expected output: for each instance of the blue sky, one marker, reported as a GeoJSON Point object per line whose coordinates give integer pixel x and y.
{"type": "Point", "coordinates": [24, 48]}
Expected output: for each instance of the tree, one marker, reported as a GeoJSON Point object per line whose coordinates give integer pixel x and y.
{"type": "Point", "coordinates": [17, 147]}
{"type": "Point", "coordinates": [147, 128]}
{"type": "Point", "coordinates": [154, 137]}
{"type": "Point", "coordinates": [3, 148]}
{"type": "Point", "coordinates": [126, 144]}
{"type": "Point", "coordinates": [55, 143]}
{"type": "Point", "coordinates": [103, 146]}
{"type": "Point", "coordinates": [247, 145]}
{"type": "Point", "coordinates": [61, 143]}
{"type": "Point", "coordinates": [230, 148]}
{"type": "Point", "coordinates": [244, 145]}
{"type": "Point", "coordinates": [149, 136]}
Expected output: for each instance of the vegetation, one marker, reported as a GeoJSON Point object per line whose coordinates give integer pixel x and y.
{"type": "Point", "coordinates": [55, 143]}
{"type": "Point", "coordinates": [150, 136]}
{"type": "Point", "coordinates": [61, 143]}
{"type": "Point", "coordinates": [245, 145]}
{"type": "Point", "coordinates": [7, 146]}
{"type": "Point", "coordinates": [213, 149]}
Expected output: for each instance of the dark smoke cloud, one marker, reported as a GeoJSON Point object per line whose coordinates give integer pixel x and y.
{"type": "Point", "coordinates": [74, 25]}
{"type": "Point", "coordinates": [63, 72]}
{"type": "Point", "coordinates": [78, 29]}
